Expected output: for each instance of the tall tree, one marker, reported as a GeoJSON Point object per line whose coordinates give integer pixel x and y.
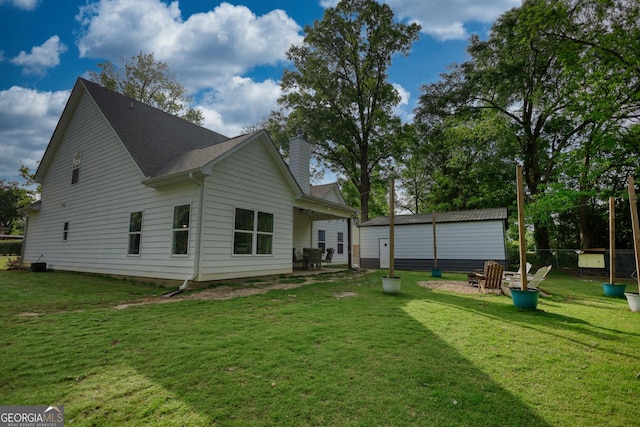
{"type": "Point", "coordinates": [12, 197]}
{"type": "Point", "coordinates": [339, 91]}
{"type": "Point", "coordinates": [460, 163]}
{"type": "Point", "coordinates": [143, 78]}
{"type": "Point", "coordinates": [526, 72]}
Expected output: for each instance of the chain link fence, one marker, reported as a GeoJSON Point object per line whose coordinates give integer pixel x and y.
{"type": "Point", "coordinates": [569, 260]}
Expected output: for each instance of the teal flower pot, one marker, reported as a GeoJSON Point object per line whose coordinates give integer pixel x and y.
{"type": "Point", "coordinates": [525, 300]}
{"type": "Point", "coordinates": [614, 289]}
{"type": "Point", "coordinates": [436, 272]}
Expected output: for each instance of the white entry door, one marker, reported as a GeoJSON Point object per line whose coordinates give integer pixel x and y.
{"type": "Point", "coordinates": [384, 253]}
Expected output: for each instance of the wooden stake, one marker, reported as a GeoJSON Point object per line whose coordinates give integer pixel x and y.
{"type": "Point", "coordinates": [435, 248]}
{"type": "Point", "coordinates": [391, 230]}
{"type": "Point", "coordinates": [633, 203]}
{"type": "Point", "coordinates": [521, 229]}
{"type": "Point", "coordinates": [612, 240]}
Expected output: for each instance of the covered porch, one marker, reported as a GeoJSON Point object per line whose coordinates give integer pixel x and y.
{"type": "Point", "coordinates": [319, 224]}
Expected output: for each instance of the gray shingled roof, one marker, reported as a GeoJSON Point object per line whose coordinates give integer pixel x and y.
{"type": "Point", "coordinates": [441, 217]}
{"type": "Point", "coordinates": [321, 190]}
{"type": "Point", "coordinates": [155, 139]}
{"type": "Point", "coordinates": [199, 157]}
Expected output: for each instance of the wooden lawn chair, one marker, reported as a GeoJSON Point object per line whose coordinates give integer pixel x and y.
{"type": "Point", "coordinates": [512, 276]}
{"type": "Point", "coordinates": [533, 282]}
{"type": "Point", "coordinates": [474, 278]}
{"type": "Point", "coordinates": [492, 279]}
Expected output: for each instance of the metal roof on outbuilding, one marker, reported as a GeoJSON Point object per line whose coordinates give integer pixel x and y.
{"type": "Point", "coordinates": [441, 217]}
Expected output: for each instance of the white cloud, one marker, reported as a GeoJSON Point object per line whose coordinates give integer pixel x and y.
{"type": "Point", "coordinates": [445, 20]}
{"type": "Point", "coordinates": [22, 4]}
{"type": "Point", "coordinates": [238, 103]}
{"type": "Point", "coordinates": [41, 57]}
{"type": "Point", "coordinates": [203, 51]}
{"type": "Point", "coordinates": [328, 3]}
{"type": "Point", "coordinates": [27, 120]}
{"type": "Point", "coordinates": [403, 109]}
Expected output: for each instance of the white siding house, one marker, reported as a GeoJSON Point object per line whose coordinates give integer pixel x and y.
{"type": "Point", "coordinates": [464, 240]}
{"type": "Point", "coordinates": [130, 190]}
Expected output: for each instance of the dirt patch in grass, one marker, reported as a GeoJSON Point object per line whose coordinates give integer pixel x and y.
{"type": "Point", "coordinates": [224, 292]}
{"type": "Point", "coordinates": [453, 286]}
{"type": "Point", "coordinates": [345, 294]}
{"type": "Point", "coordinates": [29, 314]}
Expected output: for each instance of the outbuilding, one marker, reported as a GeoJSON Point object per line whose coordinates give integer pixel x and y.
{"type": "Point", "coordinates": [464, 240]}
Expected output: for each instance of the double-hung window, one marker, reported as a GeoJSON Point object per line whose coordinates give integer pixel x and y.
{"type": "Point", "coordinates": [65, 231]}
{"type": "Point", "coordinates": [340, 242]}
{"type": "Point", "coordinates": [135, 233]}
{"type": "Point", "coordinates": [252, 232]}
{"type": "Point", "coordinates": [181, 218]}
{"type": "Point", "coordinates": [322, 240]}
{"type": "Point", "coordinates": [75, 170]}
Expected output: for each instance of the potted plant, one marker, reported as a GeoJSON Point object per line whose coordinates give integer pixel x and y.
{"type": "Point", "coordinates": [612, 289]}
{"type": "Point", "coordinates": [391, 283]}
{"type": "Point", "coordinates": [523, 298]}
{"type": "Point", "coordinates": [633, 298]}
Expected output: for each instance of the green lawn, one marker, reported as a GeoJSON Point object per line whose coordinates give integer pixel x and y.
{"type": "Point", "coordinates": [310, 356]}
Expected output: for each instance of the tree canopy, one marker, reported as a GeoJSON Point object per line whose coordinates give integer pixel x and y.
{"type": "Point", "coordinates": [143, 78]}
{"type": "Point", "coordinates": [339, 91]}
{"type": "Point", "coordinates": [549, 71]}
{"type": "Point", "coordinates": [14, 196]}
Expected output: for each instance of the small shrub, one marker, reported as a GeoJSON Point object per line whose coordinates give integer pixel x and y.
{"type": "Point", "coordinates": [14, 264]}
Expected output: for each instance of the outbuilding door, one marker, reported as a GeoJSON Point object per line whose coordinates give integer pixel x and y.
{"type": "Point", "coordinates": [384, 252]}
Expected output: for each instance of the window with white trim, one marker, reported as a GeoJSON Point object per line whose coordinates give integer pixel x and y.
{"type": "Point", "coordinates": [181, 219]}
{"type": "Point", "coordinates": [253, 232]}
{"type": "Point", "coordinates": [135, 233]}
{"type": "Point", "coordinates": [340, 242]}
{"type": "Point", "coordinates": [322, 242]}
{"type": "Point", "coordinates": [75, 167]}
{"type": "Point", "coordinates": [65, 231]}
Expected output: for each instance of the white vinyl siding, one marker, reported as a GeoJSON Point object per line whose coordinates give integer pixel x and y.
{"type": "Point", "coordinates": [98, 208]}
{"type": "Point", "coordinates": [230, 186]}
{"type": "Point", "coordinates": [464, 240]}
{"type": "Point", "coordinates": [331, 228]}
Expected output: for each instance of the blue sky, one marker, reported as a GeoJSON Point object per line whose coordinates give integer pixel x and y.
{"type": "Point", "coordinates": [230, 55]}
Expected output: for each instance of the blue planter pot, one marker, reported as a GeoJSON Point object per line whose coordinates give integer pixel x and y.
{"type": "Point", "coordinates": [436, 272]}
{"type": "Point", "coordinates": [614, 290]}
{"type": "Point", "coordinates": [525, 300]}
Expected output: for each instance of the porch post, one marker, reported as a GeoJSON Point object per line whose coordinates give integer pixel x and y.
{"type": "Point", "coordinates": [349, 243]}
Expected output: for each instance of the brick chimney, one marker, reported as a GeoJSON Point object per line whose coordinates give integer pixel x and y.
{"type": "Point", "coordinates": [299, 158]}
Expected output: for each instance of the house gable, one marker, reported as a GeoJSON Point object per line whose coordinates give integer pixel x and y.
{"type": "Point", "coordinates": [152, 137]}
{"type": "Point", "coordinates": [330, 192]}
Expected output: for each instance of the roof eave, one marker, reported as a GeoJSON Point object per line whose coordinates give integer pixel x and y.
{"type": "Point", "coordinates": [175, 178]}
{"type": "Point", "coordinates": [347, 210]}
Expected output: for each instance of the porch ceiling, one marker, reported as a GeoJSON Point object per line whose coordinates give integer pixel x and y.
{"type": "Point", "coordinates": [319, 216]}
{"type": "Point", "coordinates": [321, 209]}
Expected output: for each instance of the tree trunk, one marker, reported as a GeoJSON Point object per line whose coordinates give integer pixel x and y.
{"type": "Point", "coordinates": [364, 188]}
{"type": "Point", "coordinates": [541, 237]}
{"type": "Point", "coordinates": [583, 225]}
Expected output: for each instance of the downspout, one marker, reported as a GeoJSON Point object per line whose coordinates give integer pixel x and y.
{"type": "Point", "coordinates": [24, 240]}
{"type": "Point", "coordinates": [196, 255]}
